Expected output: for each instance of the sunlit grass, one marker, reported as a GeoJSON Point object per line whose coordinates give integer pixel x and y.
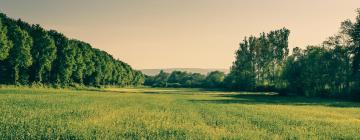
{"type": "Point", "coordinates": [150, 113]}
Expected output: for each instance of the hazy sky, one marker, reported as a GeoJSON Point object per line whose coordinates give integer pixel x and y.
{"type": "Point", "coordinates": [182, 33]}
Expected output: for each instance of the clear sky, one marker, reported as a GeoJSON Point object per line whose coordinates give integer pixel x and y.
{"type": "Point", "coordinates": [182, 33]}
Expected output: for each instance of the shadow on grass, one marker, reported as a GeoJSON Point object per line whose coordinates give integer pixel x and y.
{"type": "Point", "coordinates": [116, 91]}
{"type": "Point", "coordinates": [153, 90]}
{"type": "Point", "coordinates": [227, 97]}
{"type": "Point", "coordinates": [263, 99]}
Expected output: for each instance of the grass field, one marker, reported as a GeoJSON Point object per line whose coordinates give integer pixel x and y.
{"type": "Point", "coordinates": [146, 113]}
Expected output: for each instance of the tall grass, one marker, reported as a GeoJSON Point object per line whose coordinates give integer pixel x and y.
{"type": "Point", "coordinates": [148, 113]}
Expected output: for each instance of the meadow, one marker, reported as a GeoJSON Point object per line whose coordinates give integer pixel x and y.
{"type": "Point", "coordinates": [151, 113]}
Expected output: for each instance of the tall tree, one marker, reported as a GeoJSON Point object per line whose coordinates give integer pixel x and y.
{"type": "Point", "coordinates": [79, 65]}
{"type": "Point", "coordinates": [354, 33]}
{"type": "Point", "coordinates": [279, 51]}
{"type": "Point", "coordinates": [5, 44]}
{"type": "Point", "coordinates": [243, 69]}
{"type": "Point", "coordinates": [259, 61]}
{"type": "Point", "coordinates": [43, 53]}
{"type": "Point", "coordinates": [20, 55]}
{"type": "Point", "coordinates": [64, 61]}
{"type": "Point", "coordinates": [88, 55]}
{"type": "Point", "coordinates": [292, 71]}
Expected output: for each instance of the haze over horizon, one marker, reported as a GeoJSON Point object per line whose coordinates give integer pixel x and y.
{"type": "Point", "coordinates": [182, 34]}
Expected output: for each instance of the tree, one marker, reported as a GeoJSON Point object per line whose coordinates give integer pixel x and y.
{"type": "Point", "coordinates": [279, 47]}
{"type": "Point", "coordinates": [79, 65]}
{"type": "Point", "coordinates": [354, 32]}
{"type": "Point", "coordinates": [340, 46]}
{"type": "Point", "coordinates": [20, 55]}
{"type": "Point", "coordinates": [242, 72]}
{"type": "Point", "coordinates": [259, 62]}
{"type": "Point", "coordinates": [138, 78]}
{"type": "Point", "coordinates": [96, 77]}
{"type": "Point", "coordinates": [194, 80]}
{"type": "Point", "coordinates": [292, 71]}
{"type": "Point", "coordinates": [177, 77]}
{"type": "Point", "coordinates": [87, 56]}
{"type": "Point", "coordinates": [64, 61]}
{"type": "Point", "coordinates": [5, 44]}
{"type": "Point", "coordinates": [43, 53]}
{"type": "Point", "coordinates": [214, 79]}
{"type": "Point", "coordinates": [49, 57]}
{"type": "Point", "coordinates": [161, 79]}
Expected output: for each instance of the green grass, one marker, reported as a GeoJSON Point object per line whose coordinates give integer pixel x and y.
{"type": "Point", "coordinates": [146, 113]}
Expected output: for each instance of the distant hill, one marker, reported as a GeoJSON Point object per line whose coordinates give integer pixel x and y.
{"type": "Point", "coordinates": [152, 72]}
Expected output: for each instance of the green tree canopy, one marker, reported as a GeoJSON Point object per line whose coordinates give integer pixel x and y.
{"type": "Point", "coordinates": [5, 44]}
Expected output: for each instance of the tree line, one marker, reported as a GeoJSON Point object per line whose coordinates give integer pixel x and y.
{"type": "Point", "coordinates": [263, 63]}
{"type": "Point", "coordinates": [29, 54]}
{"type": "Point", "coordinates": [259, 61]}
{"type": "Point", "coordinates": [331, 69]}
{"type": "Point", "coordinates": [185, 79]}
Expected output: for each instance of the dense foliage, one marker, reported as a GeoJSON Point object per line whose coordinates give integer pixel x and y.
{"type": "Point", "coordinates": [329, 69]}
{"type": "Point", "coordinates": [184, 79]}
{"type": "Point", "coordinates": [263, 63]}
{"type": "Point", "coordinates": [259, 61]}
{"type": "Point", "coordinates": [30, 54]}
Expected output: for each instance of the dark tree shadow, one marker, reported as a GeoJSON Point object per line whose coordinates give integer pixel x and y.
{"type": "Point", "coordinates": [274, 99]}
{"type": "Point", "coordinates": [115, 91]}
{"type": "Point", "coordinates": [229, 97]}
{"type": "Point", "coordinates": [154, 91]}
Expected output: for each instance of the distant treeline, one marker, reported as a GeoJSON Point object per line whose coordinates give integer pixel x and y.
{"type": "Point", "coordinates": [185, 79]}
{"type": "Point", "coordinates": [263, 63]}
{"type": "Point", "coordinates": [30, 54]}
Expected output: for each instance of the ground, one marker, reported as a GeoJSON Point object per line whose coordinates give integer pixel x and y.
{"type": "Point", "coordinates": [148, 113]}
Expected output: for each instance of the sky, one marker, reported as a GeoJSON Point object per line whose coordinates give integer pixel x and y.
{"type": "Point", "coordinates": [182, 33]}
